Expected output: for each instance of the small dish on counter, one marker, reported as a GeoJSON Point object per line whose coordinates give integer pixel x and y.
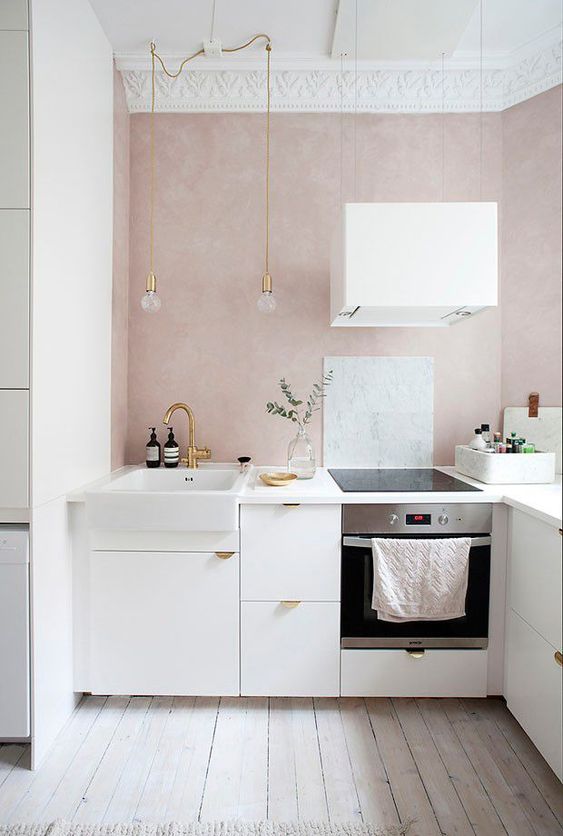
{"type": "Point", "coordinates": [277, 480]}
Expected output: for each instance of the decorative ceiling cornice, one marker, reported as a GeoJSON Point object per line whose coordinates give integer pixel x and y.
{"type": "Point", "coordinates": [324, 89]}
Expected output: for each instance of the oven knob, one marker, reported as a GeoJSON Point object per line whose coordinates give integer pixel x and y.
{"type": "Point", "coordinates": [393, 518]}
{"type": "Point", "coordinates": [443, 519]}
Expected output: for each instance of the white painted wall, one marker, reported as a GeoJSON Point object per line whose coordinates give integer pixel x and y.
{"type": "Point", "coordinates": [72, 192]}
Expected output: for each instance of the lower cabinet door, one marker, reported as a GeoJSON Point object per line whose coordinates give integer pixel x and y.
{"type": "Point", "coordinates": [533, 688]}
{"type": "Point", "coordinates": [164, 623]}
{"type": "Point", "coordinates": [398, 673]}
{"type": "Point", "coordinates": [290, 649]}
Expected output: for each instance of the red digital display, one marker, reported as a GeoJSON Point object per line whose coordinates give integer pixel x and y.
{"type": "Point", "coordinates": [418, 519]}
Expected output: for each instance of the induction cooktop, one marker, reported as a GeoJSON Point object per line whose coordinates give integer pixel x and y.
{"type": "Point", "coordinates": [384, 480]}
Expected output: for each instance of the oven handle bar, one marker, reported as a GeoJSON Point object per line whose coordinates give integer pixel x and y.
{"type": "Point", "coordinates": [363, 542]}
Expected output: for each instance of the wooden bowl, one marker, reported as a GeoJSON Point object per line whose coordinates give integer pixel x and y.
{"type": "Point", "coordinates": [277, 480]}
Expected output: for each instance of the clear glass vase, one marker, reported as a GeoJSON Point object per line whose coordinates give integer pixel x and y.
{"type": "Point", "coordinates": [301, 456]}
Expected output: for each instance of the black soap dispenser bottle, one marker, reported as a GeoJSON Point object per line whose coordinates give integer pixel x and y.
{"type": "Point", "coordinates": [153, 450]}
{"type": "Point", "coordinates": [171, 450]}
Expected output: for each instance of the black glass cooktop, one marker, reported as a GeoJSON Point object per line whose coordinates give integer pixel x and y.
{"type": "Point", "coordinates": [380, 480]}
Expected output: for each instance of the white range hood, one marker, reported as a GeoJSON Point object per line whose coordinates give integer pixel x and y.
{"type": "Point", "coordinates": [414, 264]}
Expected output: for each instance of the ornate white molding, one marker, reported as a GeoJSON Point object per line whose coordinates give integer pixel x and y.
{"type": "Point", "coordinates": [327, 90]}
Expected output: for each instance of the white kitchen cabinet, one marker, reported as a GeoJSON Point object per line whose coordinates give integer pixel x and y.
{"type": "Point", "coordinates": [14, 423]}
{"type": "Point", "coordinates": [533, 689]}
{"type": "Point", "coordinates": [164, 623]}
{"type": "Point", "coordinates": [290, 552]}
{"type": "Point", "coordinates": [535, 575]}
{"type": "Point", "coordinates": [290, 650]}
{"type": "Point", "coordinates": [397, 673]}
{"type": "Point", "coordinates": [13, 14]}
{"type": "Point", "coordinates": [14, 293]}
{"type": "Point", "coordinates": [14, 136]}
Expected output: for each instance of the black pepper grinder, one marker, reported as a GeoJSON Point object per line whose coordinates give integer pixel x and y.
{"type": "Point", "coordinates": [153, 450]}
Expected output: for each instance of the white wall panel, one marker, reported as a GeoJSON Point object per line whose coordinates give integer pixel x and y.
{"type": "Point", "coordinates": [72, 188]}
{"type": "Point", "coordinates": [72, 247]}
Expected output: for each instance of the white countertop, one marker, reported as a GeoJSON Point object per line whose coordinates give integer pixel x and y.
{"type": "Point", "coordinates": [541, 501]}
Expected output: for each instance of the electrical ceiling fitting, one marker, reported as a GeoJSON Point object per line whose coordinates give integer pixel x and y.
{"type": "Point", "coordinates": [212, 47]}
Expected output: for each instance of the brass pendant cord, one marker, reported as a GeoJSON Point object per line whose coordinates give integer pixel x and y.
{"type": "Point", "coordinates": [266, 281]}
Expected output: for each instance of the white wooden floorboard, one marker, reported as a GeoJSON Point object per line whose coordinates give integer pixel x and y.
{"type": "Point", "coordinates": [506, 805]}
{"type": "Point", "coordinates": [478, 807]}
{"type": "Point", "coordinates": [237, 780]}
{"type": "Point", "coordinates": [342, 796]}
{"type": "Point", "coordinates": [186, 795]}
{"type": "Point", "coordinates": [24, 789]}
{"type": "Point", "coordinates": [69, 793]}
{"type": "Point", "coordinates": [370, 778]}
{"type": "Point", "coordinates": [539, 770]}
{"type": "Point", "coordinates": [444, 799]}
{"type": "Point", "coordinates": [457, 767]}
{"type": "Point", "coordinates": [295, 778]}
{"type": "Point", "coordinates": [406, 784]}
{"type": "Point", "coordinates": [98, 793]}
{"type": "Point", "coordinates": [540, 817]}
{"type": "Point", "coordinates": [123, 805]}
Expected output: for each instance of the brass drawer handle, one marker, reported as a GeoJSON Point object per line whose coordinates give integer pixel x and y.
{"type": "Point", "coordinates": [558, 657]}
{"type": "Point", "coordinates": [290, 605]}
{"type": "Point", "coordinates": [224, 555]}
{"type": "Point", "coordinates": [416, 654]}
{"type": "Point", "coordinates": [291, 504]}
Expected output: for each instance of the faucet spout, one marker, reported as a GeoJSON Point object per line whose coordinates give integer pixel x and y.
{"type": "Point", "coordinates": [193, 453]}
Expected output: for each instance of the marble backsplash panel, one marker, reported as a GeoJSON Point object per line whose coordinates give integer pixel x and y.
{"type": "Point", "coordinates": [379, 412]}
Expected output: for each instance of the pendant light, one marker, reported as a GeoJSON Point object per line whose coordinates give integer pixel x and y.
{"type": "Point", "coordinates": [267, 301]}
{"type": "Point", "coordinates": [150, 302]}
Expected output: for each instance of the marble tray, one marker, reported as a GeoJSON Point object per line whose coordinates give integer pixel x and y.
{"type": "Point", "coordinates": [505, 469]}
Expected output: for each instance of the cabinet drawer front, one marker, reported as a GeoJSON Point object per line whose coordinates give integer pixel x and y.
{"type": "Point", "coordinates": [164, 623]}
{"type": "Point", "coordinates": [14, 430]}
{"type": "Point", "coordinates": [533, 689]}
{"type": "Point", "coordinates": [14, 136]}
{"type": "Point", "coordinates": [290, 552]}
{"type": "Point", "coordinates": [535, 575]}
{"type": "Point", "coordinates": [290, 651]}
{"type": "Point", "coordinates": [396, 673]}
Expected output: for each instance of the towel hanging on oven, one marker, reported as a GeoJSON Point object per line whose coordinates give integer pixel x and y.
{"type": "Point", "coordinates": [420, 580]}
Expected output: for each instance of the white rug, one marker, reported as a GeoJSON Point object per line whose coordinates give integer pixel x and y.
{"type": "Point", "coordinates": [233, 828]}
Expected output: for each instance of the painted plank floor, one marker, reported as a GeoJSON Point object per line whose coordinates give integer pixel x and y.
{"type": "Point", "coordinates": [453, 766]}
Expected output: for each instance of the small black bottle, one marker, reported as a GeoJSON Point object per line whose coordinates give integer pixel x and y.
{"type": "Point", "coordinates": [171, 450]}
{"type": "Point", "coordinates": [153, 450]}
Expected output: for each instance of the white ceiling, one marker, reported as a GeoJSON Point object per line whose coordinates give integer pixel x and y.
{"type": "Point", "coordinates": [305, 30]}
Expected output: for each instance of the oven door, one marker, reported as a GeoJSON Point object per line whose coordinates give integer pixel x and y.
{"type": "Point", "coordinates": [360, 627]}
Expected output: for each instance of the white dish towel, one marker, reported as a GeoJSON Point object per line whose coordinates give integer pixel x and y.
{"type": "Point", "coordinates": [420, 580]}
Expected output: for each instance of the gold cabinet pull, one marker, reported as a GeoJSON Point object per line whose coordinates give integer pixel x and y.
{"type": "Point", "coordinates": [291, 504]}
{"type": "Point", "coordinates": [558, 657]}
{"type": "Point", "coordinates": [290, 605]}
{"type": "Point", "coordinates": [224, 555]}
{"type": "Point", "coordinates": [416, 654]}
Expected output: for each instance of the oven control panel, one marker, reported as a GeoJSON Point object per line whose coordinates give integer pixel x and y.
{"type": "Point", "coordinates": [462, 518]}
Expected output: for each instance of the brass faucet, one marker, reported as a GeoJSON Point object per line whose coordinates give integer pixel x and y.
{"type": "Point", "coordinates": [194, 453]}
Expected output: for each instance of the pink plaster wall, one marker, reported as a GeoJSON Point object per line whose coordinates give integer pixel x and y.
{"type": "Point", "coordinates": [209, 346]}
{"type": "Point", "coordinates": [531, 244]}
{"type": "Point", "coordinates": [120, 293]}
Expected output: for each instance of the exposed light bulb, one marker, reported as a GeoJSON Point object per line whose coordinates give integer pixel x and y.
{"type": "Point", "coordinates": [150, 302]}
{"type": "Point", "coordinates": [267, 302]}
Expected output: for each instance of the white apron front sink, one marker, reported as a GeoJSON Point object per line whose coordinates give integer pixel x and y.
{"type": "Point", "coordinates": [179, 499]}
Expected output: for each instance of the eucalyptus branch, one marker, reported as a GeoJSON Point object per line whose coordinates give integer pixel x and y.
{"type": "Point", "coordinates": [300, 412]}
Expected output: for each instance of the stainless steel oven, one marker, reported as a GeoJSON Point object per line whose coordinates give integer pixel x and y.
{"type": "Point", "coordinates": [359, 625]}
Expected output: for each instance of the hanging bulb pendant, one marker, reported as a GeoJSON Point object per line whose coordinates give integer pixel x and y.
{"type": "Point", "coordinates": [266, 301]}
{"type": "Point", "coordinates": [150, 302]}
